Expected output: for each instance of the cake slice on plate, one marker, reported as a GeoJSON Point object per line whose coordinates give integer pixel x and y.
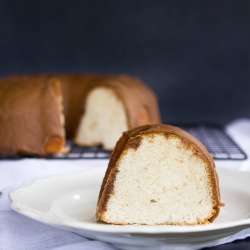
{"type": "Point", "coordinates": [159, 175]}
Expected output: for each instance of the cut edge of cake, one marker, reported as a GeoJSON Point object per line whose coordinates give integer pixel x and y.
{"type": "Point", "coordinates": [55, 143]}
{"type": "Point", "coordinates": [104, 119]}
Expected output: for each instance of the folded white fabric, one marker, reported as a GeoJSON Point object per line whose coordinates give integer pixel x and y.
{"type": "Point", "coordinates": [19, 232]}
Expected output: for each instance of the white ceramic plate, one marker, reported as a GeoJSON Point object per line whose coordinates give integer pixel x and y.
{"type": "Point", "coordinates": [69, 202]}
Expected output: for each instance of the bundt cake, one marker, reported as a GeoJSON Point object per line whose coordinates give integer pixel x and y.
{"type": "Point", "coordinates": [31, 116]}
{"type": "Point", "coordinates": [159, 175]}
{"type": "Point", "coordinates": [97, 109]}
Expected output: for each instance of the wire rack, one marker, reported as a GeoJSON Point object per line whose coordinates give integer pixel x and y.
{"type": "Point", "coordinates": [219, 144]}
{"type": "Point", "coordinates": [213, 136]}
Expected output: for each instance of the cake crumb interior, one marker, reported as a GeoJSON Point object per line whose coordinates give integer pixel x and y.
{"type": "Point", "coordinates": [160, 182]}
{"type": "Point", "coordinates": [104, 119]}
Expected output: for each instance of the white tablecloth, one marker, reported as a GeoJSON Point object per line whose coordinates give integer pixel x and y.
{"type": "Point", "coordinates": [19, 232]}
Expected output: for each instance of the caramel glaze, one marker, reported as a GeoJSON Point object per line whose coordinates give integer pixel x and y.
{"type": "Point", "coordinates": [132, 139]}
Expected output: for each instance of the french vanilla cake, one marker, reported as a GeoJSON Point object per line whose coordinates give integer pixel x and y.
{"type": "Point", "coordinates": [96, 110]}
{"type": "Point", "coordinates": [31, 116]}
{"type": "Point", "coordinates": [159, 175]}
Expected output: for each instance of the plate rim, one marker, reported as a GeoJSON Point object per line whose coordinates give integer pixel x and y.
{"type": "Point", "coordinates": [47, 218]}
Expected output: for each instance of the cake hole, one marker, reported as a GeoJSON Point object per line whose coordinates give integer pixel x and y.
{"type": "Point", "coordinates": [153, 201]}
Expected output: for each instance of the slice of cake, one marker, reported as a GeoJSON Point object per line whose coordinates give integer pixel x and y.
{"type": "Point", "coordinates": [112, 105]}
{"type": "Point", "coordinates": [31, 116]}
{"type": "Point", "coordinates": [159, 174]}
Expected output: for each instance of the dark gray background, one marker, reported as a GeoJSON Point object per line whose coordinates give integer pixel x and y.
{"type": "Point", "coordinates": [194, 54]}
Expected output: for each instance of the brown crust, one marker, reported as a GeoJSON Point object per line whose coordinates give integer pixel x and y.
{"type": "Point", "coordinates": [30, 111]}
{"type": "Point", "coordinates": [125, 142]}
